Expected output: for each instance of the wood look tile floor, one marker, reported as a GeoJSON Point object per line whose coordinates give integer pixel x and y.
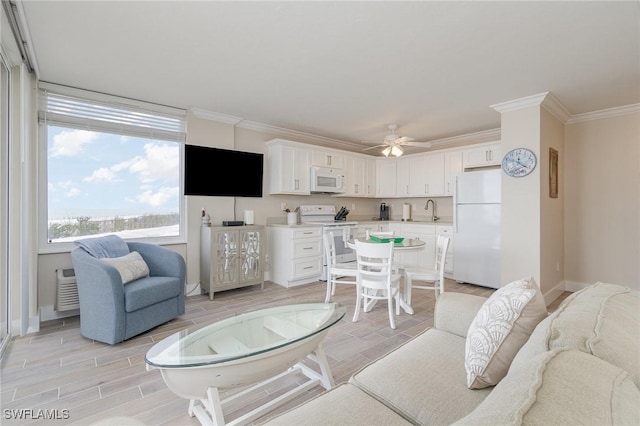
{"type": "Point", "coordinates": [81, 381]}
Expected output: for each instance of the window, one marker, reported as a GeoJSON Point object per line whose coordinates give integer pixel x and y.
{"type": "Point", "coordinates": [113, 166]}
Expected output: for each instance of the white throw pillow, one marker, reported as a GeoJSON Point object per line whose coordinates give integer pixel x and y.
{"type": "Point", "coordinates": [503, 324]}
{"type": "Point", "coordinates": [131, 266]}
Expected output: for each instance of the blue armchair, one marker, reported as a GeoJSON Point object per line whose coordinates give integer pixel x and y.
{"type": "Point", "coordinates": [111, 311]}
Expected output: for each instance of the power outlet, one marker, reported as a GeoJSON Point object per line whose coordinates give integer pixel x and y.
{"type": "Point", "coordinates": [353, 207]}
{"type": "Point", "coordinates": [283, 206]}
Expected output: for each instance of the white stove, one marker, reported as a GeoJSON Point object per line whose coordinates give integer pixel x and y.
{"type": "Point", "coordinates": [341, 230]}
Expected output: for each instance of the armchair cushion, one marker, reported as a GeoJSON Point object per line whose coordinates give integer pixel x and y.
{"type": "Point", "coordinates": [107, 246]}
{"type": "Point", "coordinates": [131, 266]}
{"type": "Point", "coordinates": [150, 290]}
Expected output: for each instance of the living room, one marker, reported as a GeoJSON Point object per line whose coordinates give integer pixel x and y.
{"type": "Point", "coordinates": [590, 233]}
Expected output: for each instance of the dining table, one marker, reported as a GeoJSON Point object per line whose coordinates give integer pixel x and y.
{"type": "Point", "coordinates": [406, 244]}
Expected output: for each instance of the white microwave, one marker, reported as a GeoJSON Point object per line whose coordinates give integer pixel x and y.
{"type": "Point", "coordinates": [326, 179]}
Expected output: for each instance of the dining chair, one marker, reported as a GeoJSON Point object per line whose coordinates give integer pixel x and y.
{"type": "Point", "coordinates": [337, 273]}
{"type": "Point", "coordinates": [375, 279]}
{"type": "Point", "coordinates": [434, 276]}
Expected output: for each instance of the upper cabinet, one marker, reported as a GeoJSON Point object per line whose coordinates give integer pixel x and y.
{"type": "Point", "coordinates": [288, 168]}
{"type": "Point", "coordinates": [452, 167]}
{"type": "Point", "coordinates": [370, 177]}
{"type": "Point", "coordinates": [482, 156]}
{"type": "Point", "coordinates": [429, 174]}
{"type": "Point", "coordinates": [385, 177]}
{"type": "Point", "coordinates": [355, 176]}
{"type": "Point", "coordinates": [327, 158]}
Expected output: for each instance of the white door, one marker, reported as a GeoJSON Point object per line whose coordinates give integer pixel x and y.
{"type": "Point", "coordinates": [5, 324]}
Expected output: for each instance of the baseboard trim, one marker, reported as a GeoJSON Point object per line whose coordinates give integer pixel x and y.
{"type": "Point", "coordinates": [574, 286]}
{"type": "Point", "coordinates": [554, 293]}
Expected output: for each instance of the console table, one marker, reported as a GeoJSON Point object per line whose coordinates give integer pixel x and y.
{"type": "Point", "coordinates": [231, 257]}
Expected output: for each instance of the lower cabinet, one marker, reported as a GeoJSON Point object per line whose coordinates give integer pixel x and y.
{"type": "Point", "coordinates": [424, 258]}
{"type": "Point", "coordinates": [230, 257]}
{"type": "Point", "coordinates": [296, 254]}
{"type": "Point", "coordinates": [447, 231]}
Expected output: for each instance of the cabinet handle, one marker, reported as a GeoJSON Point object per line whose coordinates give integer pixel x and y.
{"type": "Point", "coordinates": [425, 188]}
{"type": "Point", "coordinates": [356, 189]}
{"type": "Point", "coordinates": [308, 267]}
{"type": "Point", "coordinates": [307, 248]}
{"type": "Point", "coordinates": [486, 156]}
{"type": "Point", "coordinates": [295, 186]}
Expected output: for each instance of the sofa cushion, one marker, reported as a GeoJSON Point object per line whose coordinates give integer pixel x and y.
{"type": "Point", "coordinates": [131, 266]}
{"type": "Point", "coordinates": [107, 246]}
{"type": "Point", "coordinates": [150, 290]}
{"type": "Point", "coordinates": [561, 387]}
{"type": "Point", "coordinates": [602, 320]}
{"type": "Point", "coordinates": [423, 380]}
{"type": "Point", "coordinates": [343, 405]}
{"type": "Point", "coordinates": [502, 325]}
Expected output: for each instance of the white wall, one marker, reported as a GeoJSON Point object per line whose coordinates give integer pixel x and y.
{"type": "Point", "coordinates": [602, 203]}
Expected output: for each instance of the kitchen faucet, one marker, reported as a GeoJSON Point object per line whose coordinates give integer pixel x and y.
{"type": "Point", "coordinates": [434, 218]}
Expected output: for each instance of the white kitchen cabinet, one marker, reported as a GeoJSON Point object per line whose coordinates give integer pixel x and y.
{"type": "Point", "coordinates": [385, 177]}
{"type": "Point", "coordinates": [288, 168]}
{"type": "Point", "coordinates": [482, 156]}
{"type": "Point", "coordinates": [231, 257]}
{"type": "Point", "coordinates": [434, 175]}
{"type": "Point", "coordinates": [447, 231]}
{"type": "Point", "coordinates": [296, 254]}
{"type": "Point", "coordinates": [355, 176]}
{"type": "Point", "coordinates": [370, 177]}
{"type": "Point", "coordinates": [423, 258]}
{"type": "Point", "coordinates": [403, 176]}
{"type": "Point", "coordinates": [452, 167]}
{"type": "Point", "coordinates": [360, 230]}
{"type": "Point", "coordinates": [327, 158]}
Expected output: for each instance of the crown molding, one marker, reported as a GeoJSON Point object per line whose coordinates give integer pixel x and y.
{"type": "Point", "coordinates": [545, 100]}
{"type": "Point", "coordinates": [553, 105]}
{"type": "Point", "coordinates": [469, 138]}
{"type": "Point", "coordinates": [529, 101]}
{"type": "Point", "coordinates": [295, 134]}
{"type": "Point", "coordinates": [605, 113]}
{"type": "Point", "coordinates": [215, 116]}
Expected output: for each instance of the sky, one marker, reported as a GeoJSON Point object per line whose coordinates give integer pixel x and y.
{"type": "Point", "coordinates": [104, 175]}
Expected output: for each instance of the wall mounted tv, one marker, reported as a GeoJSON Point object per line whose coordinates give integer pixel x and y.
{"type": "Point", "coordinates": [222, 172]}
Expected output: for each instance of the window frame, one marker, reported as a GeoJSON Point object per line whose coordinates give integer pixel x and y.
{"type": "Point", "coordinates": [60, 247]}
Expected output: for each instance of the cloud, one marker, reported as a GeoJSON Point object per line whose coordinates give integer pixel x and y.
{"type": "Point", "coordinates": [157, 198]}
{"type": "Point", "coordinates": [102, 175]}
{"type": "Point", "coordinates": [73, 192]}
{"type": "Point", "coordinates": [70, 143]}
{"type": "Point", "coordinates": [159, 163]}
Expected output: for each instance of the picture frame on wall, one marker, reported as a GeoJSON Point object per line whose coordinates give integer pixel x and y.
{"type": "Point", "coordinates": [553, 173]}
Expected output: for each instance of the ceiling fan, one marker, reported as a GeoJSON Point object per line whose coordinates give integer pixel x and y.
{"type": "Point", "coordinates": [393, 143]}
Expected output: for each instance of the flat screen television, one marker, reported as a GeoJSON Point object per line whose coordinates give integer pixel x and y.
{"type": "Point", "coordinates": [222, 172]}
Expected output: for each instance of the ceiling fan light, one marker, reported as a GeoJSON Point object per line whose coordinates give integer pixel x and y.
{"type": "Point", "coordinates": [386, 151]}
{"type": "Point", "coordinates": [396, 151]}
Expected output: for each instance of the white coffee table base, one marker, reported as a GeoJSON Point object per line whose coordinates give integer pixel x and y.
{"type": "Point", "coordinates": [210, 411]}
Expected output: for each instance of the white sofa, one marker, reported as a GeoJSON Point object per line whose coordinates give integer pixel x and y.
{"type": "Point", "coordinates": [580, 365]}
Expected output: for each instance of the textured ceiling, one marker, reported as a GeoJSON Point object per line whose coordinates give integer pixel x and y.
{"type": "Point", "coordinates": [345, 70]}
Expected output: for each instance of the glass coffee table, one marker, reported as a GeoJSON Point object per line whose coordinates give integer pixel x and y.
{"type": "Point", "coordinates": [251, 350]}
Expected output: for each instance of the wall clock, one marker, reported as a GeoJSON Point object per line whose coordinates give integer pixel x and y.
{"type": "Point", "coordinates": [519, 162]}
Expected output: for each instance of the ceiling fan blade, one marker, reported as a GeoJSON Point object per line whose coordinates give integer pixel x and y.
{"type": "Point", "coordinates": [418, 143]}
{"type": "Point", "coordinates": [403, 139]}
{"type": "Point", "coordinates": [374, 147]}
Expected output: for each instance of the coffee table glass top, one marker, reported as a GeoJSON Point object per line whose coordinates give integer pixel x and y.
{"type": "Point", "coordinates": [244, 335]}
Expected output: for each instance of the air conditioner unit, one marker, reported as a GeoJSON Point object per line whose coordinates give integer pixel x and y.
{"type": "Point", "coordinates": [66, 290]}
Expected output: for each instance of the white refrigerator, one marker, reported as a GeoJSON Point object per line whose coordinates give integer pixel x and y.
{"type": "Point", "coordinates": [476, 238]}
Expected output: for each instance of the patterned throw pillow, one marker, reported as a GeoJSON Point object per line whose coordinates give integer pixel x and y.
{"type": "Point", "coordinates": [131, 266]}
{"type": "Point", "coordinates": [503, 324]}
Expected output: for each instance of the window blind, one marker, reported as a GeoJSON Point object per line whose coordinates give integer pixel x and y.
{"type": "Point", "coordinates": [93, 111]}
